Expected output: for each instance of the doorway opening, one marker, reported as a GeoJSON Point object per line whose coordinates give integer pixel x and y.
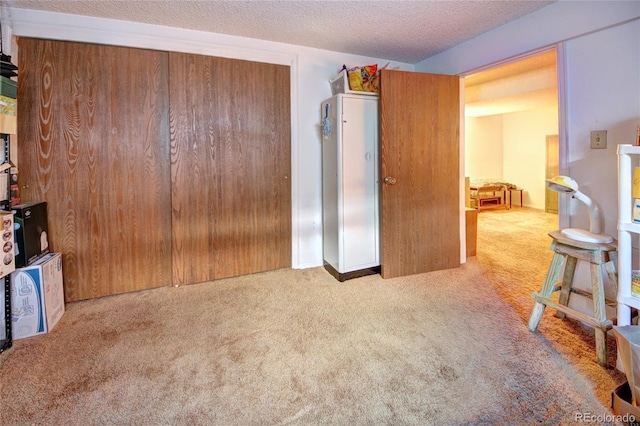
{"type": "Point", "coordinates": [511, 133]}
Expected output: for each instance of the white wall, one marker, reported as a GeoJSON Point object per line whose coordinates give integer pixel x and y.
{"type": "Point", "coordinates": [511, 148]}
{"type": "Point", "coordinates": [602, 50]}
{"type": "Point", "coordinates": [525, 140]}
{"type": "Point", "coordinates": [483, 147]}
{"type": "Point", "coordinates": [603, 75]}
{"type": "Point", "coordinates": [310, 71]}
{"type": "Point", "coordinates": [601, 41]}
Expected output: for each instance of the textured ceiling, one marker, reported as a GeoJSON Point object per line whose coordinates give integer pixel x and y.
{"type": "Point", "coordinates": [404, 31]}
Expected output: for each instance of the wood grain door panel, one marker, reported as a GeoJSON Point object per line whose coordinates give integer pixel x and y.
{"type": "Point", "coordinates": [419, 149]}
{"type": "Point", "coordinates": [94, 144]}
{"type": "Point", "coordinates": [230, 167]}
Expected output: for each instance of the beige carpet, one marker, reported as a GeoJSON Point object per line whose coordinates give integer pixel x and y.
{"type": "Point", "coordinates": [514, 255]}
{"type": "Point", "coordinates": [298, 347]}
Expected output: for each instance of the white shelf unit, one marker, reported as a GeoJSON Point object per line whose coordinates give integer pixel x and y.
{"type": "Point", "coordinates": [627, 230]}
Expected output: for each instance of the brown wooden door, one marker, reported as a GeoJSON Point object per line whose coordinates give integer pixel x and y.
{"type": "Point", "coordinates": [230, 167]}
{"type": "Point", "coordinates": [94, 144]}
{"type": "Point", "coordinates": [420, 153]}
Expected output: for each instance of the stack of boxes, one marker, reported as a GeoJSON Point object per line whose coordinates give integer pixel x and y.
{"type": "Point", "coordinates": [37, 294]}
{"type": "Point", "coordinates": [6, 267]}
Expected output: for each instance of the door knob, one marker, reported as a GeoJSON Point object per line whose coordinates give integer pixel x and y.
{"type": "Point", "coordinates": [389, 180]}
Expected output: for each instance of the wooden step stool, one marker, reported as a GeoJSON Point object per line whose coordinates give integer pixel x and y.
{"type": "Point", "coordinates": [567, 254]}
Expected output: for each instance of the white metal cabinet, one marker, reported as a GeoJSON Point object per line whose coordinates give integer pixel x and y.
{"type": "Point", "coordinates": [350, 185]}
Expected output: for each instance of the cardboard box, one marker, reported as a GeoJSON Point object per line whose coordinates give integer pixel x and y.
{"type": "Point", "coordinates": [7, 259]}
{"type": "Point", "coordinates": [31, 232]}
{"type": "Point", "coordinates": [621, 405]}
{"type": "Point", "coordinates": [8, 124]}
{"type": "Point", "coordinates": [37, 297]}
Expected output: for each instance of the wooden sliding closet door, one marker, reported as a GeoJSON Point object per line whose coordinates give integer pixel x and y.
{"type": "Point", "coordinates": [94, 143]}
{"type": "Point", "coordinates": [230, 167]}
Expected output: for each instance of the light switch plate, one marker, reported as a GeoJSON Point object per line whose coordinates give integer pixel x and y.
{"type": "Point", "coordinates": [599, 139]}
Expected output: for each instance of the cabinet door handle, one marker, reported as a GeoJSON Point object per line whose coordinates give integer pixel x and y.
{"type": "Point", "coordinates": [389, 180]}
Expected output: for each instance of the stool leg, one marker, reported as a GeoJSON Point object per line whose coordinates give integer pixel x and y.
{"type": "Point", "coordinates": [602, 348]}
{"type": "Point", "coordinates": [623, 311]}
{"type": "Point", "coordinates": [557, 263]}
{"type": "Point", "coordinates": [612, 272]}
{"type": "Point", "coordinates": [599, 313]}
{"type": "Point", "coordinates": [567, 283]}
